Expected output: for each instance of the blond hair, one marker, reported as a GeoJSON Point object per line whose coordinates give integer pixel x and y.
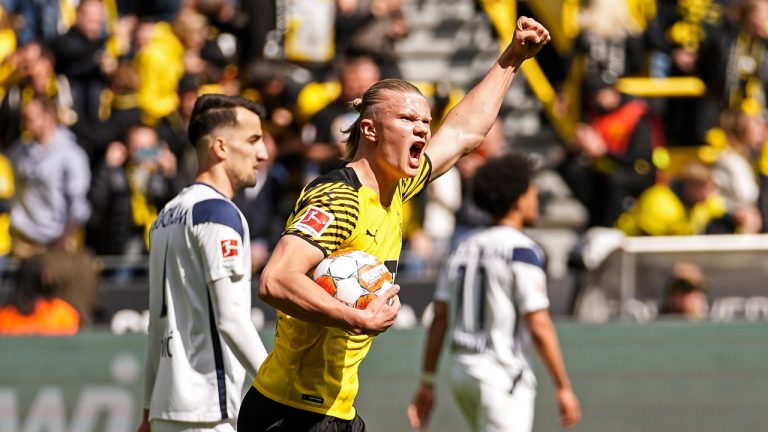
{"type": "Point", "coordinates": [609, 19]}
{"type": "Point", "coordinates": [367, 107]}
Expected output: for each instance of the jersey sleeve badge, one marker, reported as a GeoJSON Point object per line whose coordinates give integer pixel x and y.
{"type": "Point", "coordinates": [314, 222]}
{"type": "Point", "coordinates": [230, 248]}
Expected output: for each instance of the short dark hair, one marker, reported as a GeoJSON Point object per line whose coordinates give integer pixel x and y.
{"type": "Point", "coordinates": [501, 181]}
{"type": "Point", "coordinates": [212, 111]}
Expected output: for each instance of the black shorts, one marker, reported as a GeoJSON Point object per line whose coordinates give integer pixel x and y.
{"type": "Point", "coordinates": [259, 413]}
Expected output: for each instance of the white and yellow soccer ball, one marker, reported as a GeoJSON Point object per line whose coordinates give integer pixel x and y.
{"type": "Point", "coordinates": [354, 277]}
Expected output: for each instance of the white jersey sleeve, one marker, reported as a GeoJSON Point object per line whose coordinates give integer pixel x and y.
{"type": "Point", "coordinates": [231, 310]}
{"type": "Point", "coordinates": [220, 234]}
{"type": "Point", "coordinates": [530, 279]}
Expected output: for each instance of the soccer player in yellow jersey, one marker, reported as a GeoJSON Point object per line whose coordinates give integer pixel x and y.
{"type": "Point", "coordinates": [309, 381]}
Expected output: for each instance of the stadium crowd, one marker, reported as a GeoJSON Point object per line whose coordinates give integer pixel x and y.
{"type": "Point", "coordinates": [95, 97]}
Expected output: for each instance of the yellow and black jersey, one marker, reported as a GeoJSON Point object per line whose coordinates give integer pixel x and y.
{"type": "Point", "coordinates": [312, 367]}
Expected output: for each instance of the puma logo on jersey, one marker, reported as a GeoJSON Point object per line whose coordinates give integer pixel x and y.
{"type": "Point", "coordinates": [314, 222]}
{"type": "Point", "coordinates": [229, 248]}
{"type": "Point", "coordinates": [371, 235]}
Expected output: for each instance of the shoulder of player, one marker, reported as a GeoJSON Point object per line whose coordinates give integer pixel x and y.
{"type": "Point", "coordinates": [343, 178]}
{"type": "Point", "coordinates": [512, 244]}
{"type": "Point", "coordinates": [218, 211]}
{"type": "Point", "coordinates": [338, 184]}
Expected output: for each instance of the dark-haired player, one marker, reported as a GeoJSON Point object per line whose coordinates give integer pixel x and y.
{"type": "Point", "coordinates": [201, 338]}
{"type": "Point", "coordinates": [492, 297]}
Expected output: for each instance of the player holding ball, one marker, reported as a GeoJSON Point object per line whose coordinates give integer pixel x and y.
{"type": "Point", "coordinates": [309, 381]}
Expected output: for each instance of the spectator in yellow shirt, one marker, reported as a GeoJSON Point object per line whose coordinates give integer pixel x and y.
{"type": "Point", "coordinates": [689, 205]}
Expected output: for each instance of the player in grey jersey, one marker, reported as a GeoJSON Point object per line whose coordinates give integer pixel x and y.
{"type": "Point", "coordinates": [492, 296]}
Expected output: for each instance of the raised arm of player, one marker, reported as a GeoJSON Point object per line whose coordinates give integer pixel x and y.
{"type": "Point", "coordinates": [231, 309]}
{"type": "Point", "coordinates": [420, 408]}
{"type": "Point", "coordinates": [545, 339]}
{"type": "Point", "coordinates": [470, 120]}
{"type": "Point", "coordinates": [284, 285]}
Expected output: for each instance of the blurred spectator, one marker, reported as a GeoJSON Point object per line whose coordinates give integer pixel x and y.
{"type": "Point", "coordinates": [39, 19]}
{"type": "Point", "coordinates": [159, 61]}
{"type": "Point", "coordinates": [309, 38]}
{"type": "Point", "coordinates": [731, 62]}
{"type": "Point", "coordinates": [52, 180]}
{"type": "Point", "coordinates": [677, 32]}
{"type": "Point", "coordinates": [223, 15]}
{"type": "Point", "coordinates": [686, 292]}
{"type": "Point", "coordinates": [271, 83]}
{"type": "Point", "coordinates": [690, 205]}
{"type": "Point", "coordinates": [609, 161]}
{"type": "Point", "coordinates": [609, 45]}
{"type": "Point", "coordinates": [735, 169]}
{"type": "Point", "coordinates": [34, 78]}
{"type": "Point", "coordinates": [81, 57]}
{"type": "Point", "coordinates": [225, 20]}
{"type": "Point", "coordinates": [323, 132]}
{"type": "Point", "coordinates": [275, 84]}
{"type": "Point", "coordinates": [611, 40]}
{"type": "Point", "coordinates": [202, 56]}
{"type": "Point", "coordinates": [132, 182]}
{"type": "Point", "coordinates": [117, 113]}
{"type": "Point", "coordinates": [258, 38]}
{"type": "Point", "coordinates": [266, 206]}
{"type": "Point", "coordinates": [33, 308]}
{"type": "Point", "coordinates": [160, 10]}
{"type": "Point", "coordinates": [172, 130]}
{"type": "Point", "coordinates": [372, 27]}
{"type": "Point", "coordinates": [50, 206]}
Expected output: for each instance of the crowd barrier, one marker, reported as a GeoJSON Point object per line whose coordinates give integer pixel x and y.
{"type": "Point", "coordinates": [630, 282]}
{"type": "Point", "coordinates": [626, 282]}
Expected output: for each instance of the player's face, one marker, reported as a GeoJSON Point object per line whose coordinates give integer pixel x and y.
{"type": "Point", "coordinates": [247, 151]}
{"type": "Point", "coordinates": [402, 129]}
{"type": "Point", "coordinates": [529, 205]}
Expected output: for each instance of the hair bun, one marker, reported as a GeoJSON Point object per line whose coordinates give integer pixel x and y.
{"type": "Point", "coordinates": [357, 103]}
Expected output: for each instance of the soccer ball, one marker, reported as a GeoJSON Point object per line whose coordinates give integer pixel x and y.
{"type": "Point", "coordinates": [353, 277]}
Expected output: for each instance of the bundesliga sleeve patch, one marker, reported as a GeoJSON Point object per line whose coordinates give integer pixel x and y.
{"type": "Point", "coordinates": [229, 248]}
{"type": "Point", "coordinates": [314, 222]}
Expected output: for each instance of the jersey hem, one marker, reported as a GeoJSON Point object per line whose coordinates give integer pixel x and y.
{"type": "Point", "coordinates": [180, 417]}
{"type": "Point", "coordinates": [320, 410]}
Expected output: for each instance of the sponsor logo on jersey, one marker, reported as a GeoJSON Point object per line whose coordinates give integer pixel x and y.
{"type": "Point", "coordinates": [314, 222]}
{"type": "Point", "coordinates": [229, 248]}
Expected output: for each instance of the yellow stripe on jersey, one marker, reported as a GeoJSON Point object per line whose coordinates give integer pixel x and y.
{"type": "Point", "coordinates": [410, 187]}
{"type": "Point", "coordinates": [339, 201]}
{"type": "Point", "coordinates": [312, 367]}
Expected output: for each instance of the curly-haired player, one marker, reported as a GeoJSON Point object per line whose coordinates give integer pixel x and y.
{"type": "Point", "coordinates": [492, 295]}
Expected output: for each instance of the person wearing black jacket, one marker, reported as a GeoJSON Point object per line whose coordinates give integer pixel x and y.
{"type": "Point", "coordinates": [80, 56]}
{"type": "Point", "coordinates": [609, 160]}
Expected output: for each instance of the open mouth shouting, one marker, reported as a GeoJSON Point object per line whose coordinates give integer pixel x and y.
{"type": "Point", "coordinates": [414, 154]}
